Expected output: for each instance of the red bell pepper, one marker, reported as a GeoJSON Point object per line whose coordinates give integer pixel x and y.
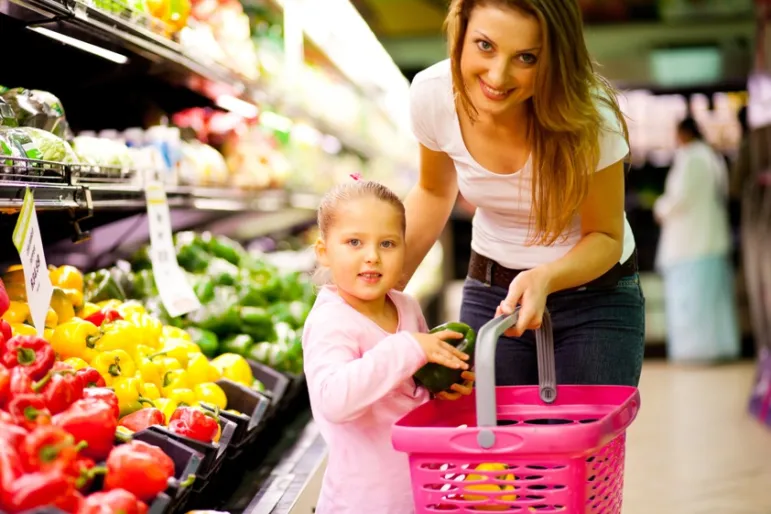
{"type": "Point", "coordinates": [20, 382]}
{"type": "Point", "coordinates": [91, 377]}
{"type": "Point", "coordinates": [117, 501]}
{"type": "Point", "coordinates": [92, 421]}
{"type": "Point", "coordinates": [29, 411]}
{"type": "Point", "coordinates": [139, 468]}
{"type": "Point", "coordinates": [11, 467]}
{"type": "Point", "coordinates": [59, 389]}
{"type": "Point", "coordinates": [193, 423]}
{"type": "Point", "coordinates": [106, 315]}
{"type": "Point", "coordinates": [142, 419]}
{"type": "Point", "coordinates": [5, 302]}
{"type": "Point", "coordinates": [83, 470]}
{"type": "Point", "coordinates": [70, 503]}
{"type": "Point", "coordinates": [34, 354]}
{"type": "Point", "coordinates": [49, 447]}
{"type": "Point", "coordinates": [12, 434]}
{"type": "Point", "coordinates": [106, 395]}
{"type": "Point", "coordinates": [5, 384]}
{"type": "Point", "coordinates": [36, 489]}
{"type": "Point", "coordinates": [6, 332]}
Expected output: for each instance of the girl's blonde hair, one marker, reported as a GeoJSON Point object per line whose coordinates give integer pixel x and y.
{"type": "Point", "coordinates": [328, 209]}
{"type": "Point", "coordinates": [565, 123]}
{"type": "Point", "coordinates": [327, 213]}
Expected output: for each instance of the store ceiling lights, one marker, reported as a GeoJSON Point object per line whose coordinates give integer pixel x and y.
{"type": "Point", "coordinates": [237, 106]}
{"type": "Point", "coordinates": [82, 45]}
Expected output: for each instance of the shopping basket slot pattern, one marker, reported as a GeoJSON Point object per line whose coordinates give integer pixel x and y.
{"type": "Point", "coordinates": [525, 449]}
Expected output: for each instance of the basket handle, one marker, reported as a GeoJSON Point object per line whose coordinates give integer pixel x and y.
{"type": "Point", "coordinates": [484, 368]}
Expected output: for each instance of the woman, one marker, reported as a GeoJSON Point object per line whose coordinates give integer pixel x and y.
{"type": "Point", "coordinates": [694, 253]}
{"type": "Point", "coordinates": [518, 122]}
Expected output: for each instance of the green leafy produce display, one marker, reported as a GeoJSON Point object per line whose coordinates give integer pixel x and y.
{"type": "Point", "coordinates": [249, 307]}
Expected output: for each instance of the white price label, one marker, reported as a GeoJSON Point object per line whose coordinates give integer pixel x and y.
{"type": "Point", "coordinates": [26, 239]}
{"type": "Point", "coordinates": [176, 293]}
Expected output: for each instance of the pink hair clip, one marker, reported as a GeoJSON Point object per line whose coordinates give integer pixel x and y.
{"type": "Point", "coordinates": [356, 176]}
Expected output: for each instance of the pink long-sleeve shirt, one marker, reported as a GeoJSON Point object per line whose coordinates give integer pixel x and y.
{"type": "Point", "coordinates": [360, 383]}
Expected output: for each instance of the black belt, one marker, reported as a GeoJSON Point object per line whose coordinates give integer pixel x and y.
{"type": "Point", "coordinates": [491, 273]}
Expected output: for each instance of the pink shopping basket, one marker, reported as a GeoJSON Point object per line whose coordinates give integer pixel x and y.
{"type": "Point", "coordinates": [547, 448]}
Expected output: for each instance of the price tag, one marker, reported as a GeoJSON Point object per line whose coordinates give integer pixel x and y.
{"type": "Point", "coordinates": [26, 239]}
{"type": "Point", "coordinates": [176, 293]}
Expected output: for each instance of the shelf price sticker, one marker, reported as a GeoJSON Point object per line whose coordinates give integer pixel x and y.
{"type": "Point", "coordinates": [175, 291]}
{"type": "Point", "coordinates": [29, 244]}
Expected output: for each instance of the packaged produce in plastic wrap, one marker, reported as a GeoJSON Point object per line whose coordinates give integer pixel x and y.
{"type": "Point", "coordinates": [33, 143]}
{"type": "Point", "coordinates": [7, 116]}
{"type": "Point", "coordinates": [202, 165]}
{"type": "Point", "coordinates": [38, 109]}
{"type": "Point", "coordinates": [99, 151]}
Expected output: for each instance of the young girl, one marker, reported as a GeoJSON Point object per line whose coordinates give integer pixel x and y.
{"type": "Point", "coordinates": [362, 343]}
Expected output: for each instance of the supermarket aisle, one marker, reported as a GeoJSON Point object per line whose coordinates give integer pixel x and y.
{"type": "Point", "coordinates": [693, 450]}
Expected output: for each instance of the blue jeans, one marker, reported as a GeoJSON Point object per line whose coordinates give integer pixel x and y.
{"type": "Point", "coordinates": [598, 333]}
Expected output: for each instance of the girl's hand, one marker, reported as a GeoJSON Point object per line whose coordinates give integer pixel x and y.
{"type": "Point", "coordinates": [529, 290]}
{"type": "Point", "coordinates": [464, 389]}
{"type": "Point", "coordinates": [439, 352]}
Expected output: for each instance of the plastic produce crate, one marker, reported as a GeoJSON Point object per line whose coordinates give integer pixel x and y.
{"type": "Point", "coordinates": [276, 384]}
{"type": "Point", "coordinates": [253, 407]}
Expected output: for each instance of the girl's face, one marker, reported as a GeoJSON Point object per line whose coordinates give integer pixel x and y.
{"type": "Point", "coordinates": [364, 249]}
{"type": "Point", "coordinates": [499, 58]}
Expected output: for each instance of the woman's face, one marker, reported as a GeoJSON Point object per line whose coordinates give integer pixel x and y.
{"type": "Point", "coordinates": [500, 57]}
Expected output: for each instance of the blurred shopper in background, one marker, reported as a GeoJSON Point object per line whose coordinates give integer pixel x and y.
{"type": "Point", "coordinates": [694, 253]}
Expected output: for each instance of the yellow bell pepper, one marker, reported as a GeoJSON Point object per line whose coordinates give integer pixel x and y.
{"type": "Point", "coordinates": [70, 280]}
{"type": "Point", "coordinates": [113, 365]}
{"type": "Point", "coordinates": [18, 312]}
{"type": "Point", "coordinates": [14, 275]}
{"type": "Point", "coordinates": [111, 304]}
{"type": "Point", "coordinates": [17, 291]}
{"type": "Point", "coordinates": [179, 349]}
{"type": "Point", "coordinates": [22, 329]}
{"type": "Point", "coordinates": [62, 306]}
{"type": "Point", "coordinates": [234, 367]}
{"type": "Point", "coordinates": [118, 335]}
{"type": "Point", "coordinates": [66, 277]}
{"type": "Point", "coordinates": [129, 308]}
{"type": "Point", "coordinates": [166, 364]}
{"type": "Point", "coordinates": [170, 332]}
{"type": "Point", "coordinates": [130, 399]}
{"type": "Point", "coordinates": [88, 309]}
{"type": "Point", "coordinates": [209, 392]}
{"type": "Point", "coordinates": [75, 338]}
{"type": "Point", "coordinates": [150, 391]}
{"type": "Point", "coordinates": [174, 379]}
{"type": "Point", "coordinates": [48, 333]}
{"type": "Point", "coordinates": [200, 370]}
{"type": "Point", "coordinates": [150, 329]}
{"type": "Point", "coordinates": [182, 396]}
{"type": "Point", "coordinates": [52, 319]}
{"type": "Point", "coordinates": [167, 406]}
{"type": "Point", "coordinates": [76, 363]}
{"type": "Point", "coordinates": [141, 352]}
{"type": "Point", "coordinates": [149, 371]}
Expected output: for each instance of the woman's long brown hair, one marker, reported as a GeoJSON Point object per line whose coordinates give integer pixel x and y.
{"type": "Point", "coordinates": [566, 122]}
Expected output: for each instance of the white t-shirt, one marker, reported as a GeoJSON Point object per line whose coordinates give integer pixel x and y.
{"type": "Point", "coordinates": [501, 224]}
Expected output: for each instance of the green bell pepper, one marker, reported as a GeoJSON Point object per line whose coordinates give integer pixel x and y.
{"type": "Point", "coordinates": [293, 313]}
{"type": "Point", "coordinates": [437, 378]}
{"type": "Point", "coordinates": [121, 273]}
{"type": "Point", "coordinates": [223, 247]}
{"type": "Point", "coordinates": [257, 322]}
{"type": "Point", "coordinates": [143, 285]}
{"type": "Point", "coordinates": [221, 272]}
{"type": "Point", "coordinates": [239, 344]}
{"type": "Point", "coordinates": [191, 251]}
{"type": "Point", "coordinates": [100, 285]}
{"type": "Point", "coordinates": [206, 340]}
{"type": "Point", "coordinates": [203, 287]}
{"type": "Point", "coordinates": [141, 259]}
{"type": "Point", "coordinates": [221, 315]}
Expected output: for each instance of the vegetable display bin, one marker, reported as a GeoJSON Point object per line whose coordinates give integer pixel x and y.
{"type": "Point", "coordinates": [520, 449]}
{"type": "Point", "coordinates": [276, 384]}
{"type": "Point", "coordinates": [253, 407]}
{"type": "Point", "coordinates": [213, 453]}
